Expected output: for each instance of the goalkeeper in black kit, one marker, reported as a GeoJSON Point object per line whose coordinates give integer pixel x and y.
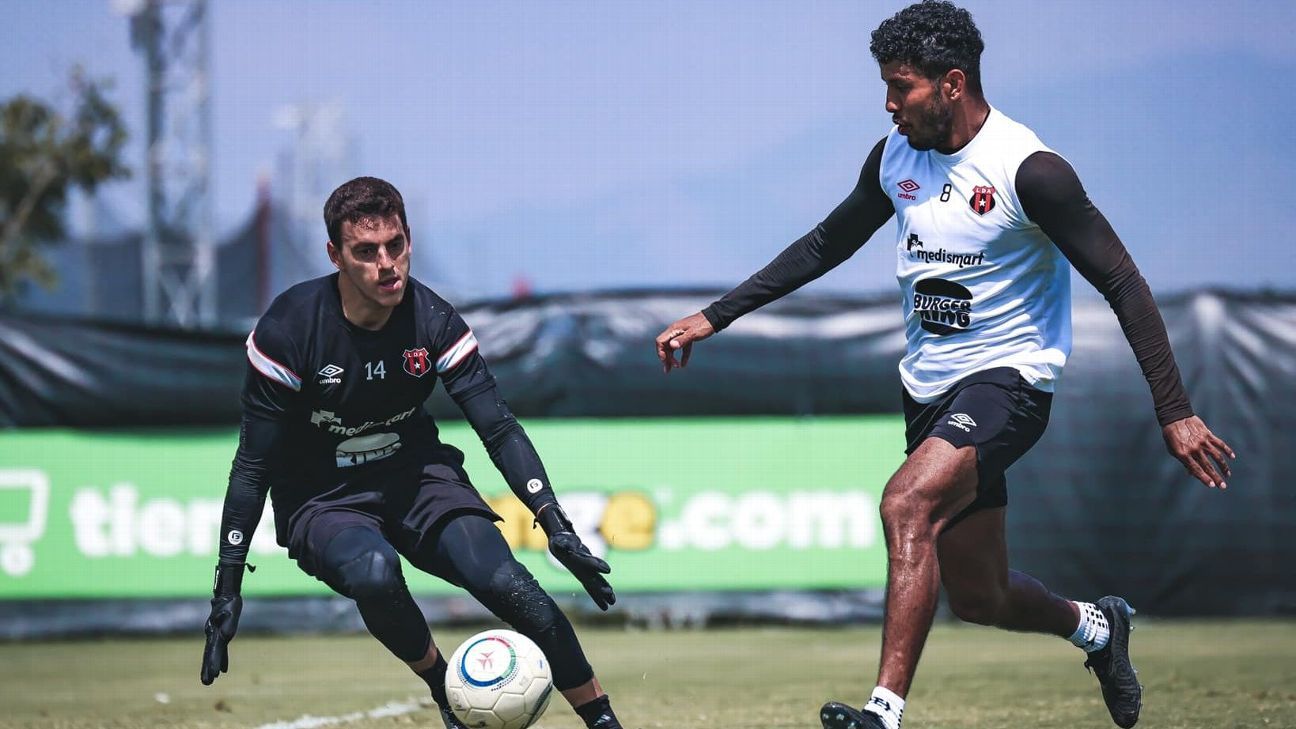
{"type": "Point", "coordinates": [334, 428]}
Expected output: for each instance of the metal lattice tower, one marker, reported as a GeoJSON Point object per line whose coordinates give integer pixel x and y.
{"type": "Point", "coordinates": [178, 258]}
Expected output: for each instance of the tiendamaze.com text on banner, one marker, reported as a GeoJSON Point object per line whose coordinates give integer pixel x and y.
{"type": "Point", "coordinates": [696, 504]}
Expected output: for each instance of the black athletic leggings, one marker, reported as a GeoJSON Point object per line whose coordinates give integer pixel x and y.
{"type": "Point", "coordinates": [470, 552]}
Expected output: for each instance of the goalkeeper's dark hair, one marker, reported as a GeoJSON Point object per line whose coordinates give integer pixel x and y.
{"type": "Point", "coordinates": [360, 199]}
{"type": "Point", "coordinates": [933, 36]}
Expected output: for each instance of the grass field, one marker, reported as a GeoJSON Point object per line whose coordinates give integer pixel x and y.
{"type": "Point", "coordinates": [1196, 674]}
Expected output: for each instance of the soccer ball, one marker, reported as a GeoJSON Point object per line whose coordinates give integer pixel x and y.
{"type": "Point", "coordinates": [498, 679]}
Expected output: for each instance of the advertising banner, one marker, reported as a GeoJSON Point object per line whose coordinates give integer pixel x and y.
{"type": "Point", "coordinates": [673, 504]}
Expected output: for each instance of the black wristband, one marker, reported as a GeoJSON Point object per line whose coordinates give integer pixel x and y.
{"type": "Point", "coordinates": [552, 519]}
{"type": "Point", "coordinates": [229, 578]}
{"type": "Point", "coordinates": [713, 317]}
{"type": "Point", "coordinates": [1175, 412]}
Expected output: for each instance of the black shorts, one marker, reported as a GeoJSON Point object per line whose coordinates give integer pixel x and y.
{"type": "Point", "coordinates": [994, 410]}
{"type": "Point", "coordinates": [405, 504]}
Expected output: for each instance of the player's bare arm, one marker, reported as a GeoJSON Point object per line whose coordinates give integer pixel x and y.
{"type": "Point", "coordinates": [844, 231]}
{"type": "Point", "coordinates": [1054, 198]}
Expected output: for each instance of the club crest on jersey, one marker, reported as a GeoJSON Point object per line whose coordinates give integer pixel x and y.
{"type": "Point", "coordinates": [417, 362]}
{"type": "Point", "coordinates": [982, 200]}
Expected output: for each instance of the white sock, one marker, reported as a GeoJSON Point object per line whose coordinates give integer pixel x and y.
{"type": "Point", "coordinates": [887, 706]}
{"type": "Point", "coordinates": [1093, 631]}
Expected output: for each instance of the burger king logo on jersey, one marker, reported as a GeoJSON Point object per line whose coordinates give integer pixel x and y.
{"type": "Point", "coordinates": [943, 307]}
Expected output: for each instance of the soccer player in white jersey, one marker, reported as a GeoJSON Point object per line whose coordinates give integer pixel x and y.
{"type": "Point", "coordinates": [988, 221]}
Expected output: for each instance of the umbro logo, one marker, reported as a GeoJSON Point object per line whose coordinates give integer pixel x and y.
{"type": "Point", "coordinates": [962, 421]}
{"type": "Point", "coordinates": [907, 189]}
{"type": "Point", "coordinates": [329, 375]}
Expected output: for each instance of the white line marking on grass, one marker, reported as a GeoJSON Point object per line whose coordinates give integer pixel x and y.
{"type": "Point", "coordinates": [308, 721]}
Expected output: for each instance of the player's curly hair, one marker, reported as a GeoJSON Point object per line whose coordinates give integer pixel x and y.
{"type": "Point", "coordinates": [361, 198]}
{"type": "Point", "coordinates": [933, 36]}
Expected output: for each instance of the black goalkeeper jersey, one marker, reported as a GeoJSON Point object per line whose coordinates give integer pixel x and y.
{"type": "Point", "coordinates": [351, 398]}
{"type": "Point", "coordinates": [325, 401]}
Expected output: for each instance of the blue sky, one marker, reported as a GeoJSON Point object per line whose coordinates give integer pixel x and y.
{"type": "Point", "coordinates": [594, 145]}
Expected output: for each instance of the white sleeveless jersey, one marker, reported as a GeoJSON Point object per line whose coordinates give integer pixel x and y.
{"type": "Point", "coordinates": [983, 286]}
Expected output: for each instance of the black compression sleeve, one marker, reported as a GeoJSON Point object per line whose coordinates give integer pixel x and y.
{"type": "Point", "coordinates": [834, 240]}
{"type": "Point", "coordinates": [473, 388]}
{"type": "Point", "coordinates": [248, 484]}
{"type": "Point", "coordinates": [1051, 194]}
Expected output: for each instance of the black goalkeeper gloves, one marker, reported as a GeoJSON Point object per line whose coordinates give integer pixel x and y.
{"type": "Point", "coordinates": [568, 549]}
{"type": "Point", "coordinates": [226, 605]}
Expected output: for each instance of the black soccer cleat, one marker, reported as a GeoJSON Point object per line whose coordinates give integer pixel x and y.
{"type": "Point", "coordinates": [1116, 675]}
{"type": "Point", "coordinates": [835, 715]}
{"type": "Point", "coordinates": [451, 721]}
